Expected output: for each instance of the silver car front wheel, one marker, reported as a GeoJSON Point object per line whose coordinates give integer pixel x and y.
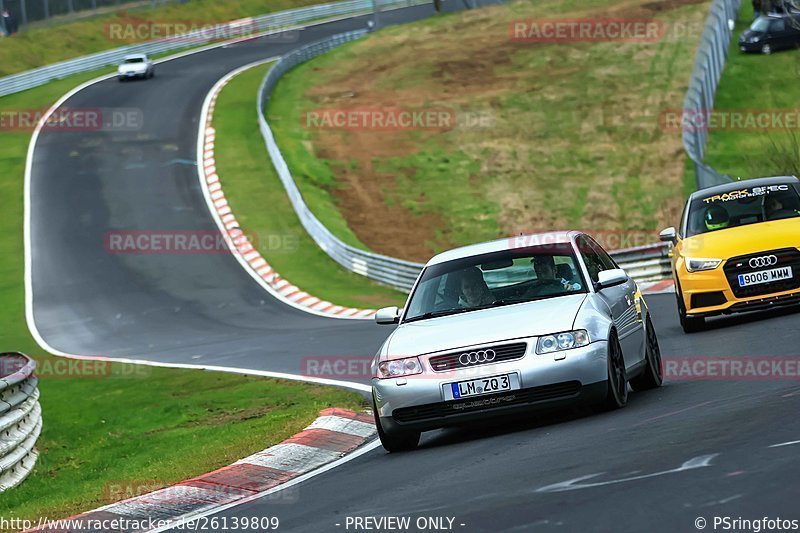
{"type": "Point", "coordinates": [617, 394]}
{"type": "Point", "coordinates": [395, 441]}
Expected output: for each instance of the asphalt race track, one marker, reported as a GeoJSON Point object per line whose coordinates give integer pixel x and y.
{"type": "Point", "coordinates": [489, 479]}
{"type": "Point", "coordinates": [691, 449]}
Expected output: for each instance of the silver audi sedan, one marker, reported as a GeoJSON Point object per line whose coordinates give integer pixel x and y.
{"type": "Point", "coordinates": [533, 322]}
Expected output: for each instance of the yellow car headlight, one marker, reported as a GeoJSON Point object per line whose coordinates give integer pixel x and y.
{"type": "Point", "coordinates": [697, 264]}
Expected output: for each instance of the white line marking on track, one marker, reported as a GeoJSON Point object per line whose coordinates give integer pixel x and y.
{"type": "Point", "coordinates": [575, 484]}
{"type": "Point", "coordinates": [790, 443]}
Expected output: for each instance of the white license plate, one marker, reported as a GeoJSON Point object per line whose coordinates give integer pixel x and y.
{"type": "Point", "coordinates": [477, 387]}
{"type": "Point", "coordinates": [765, 276]}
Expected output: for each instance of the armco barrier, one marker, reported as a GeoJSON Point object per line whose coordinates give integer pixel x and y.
{"type": "Point", "coordinates": [708, 67]}
{"type": "Point", "coordinates": [645, 263]}
{"type": "Point", "coordinates": [387, 270]}
{"type": "Point", "coordinates": [256, 25]}
{"type": "Point", "coordinates": [20, 418]}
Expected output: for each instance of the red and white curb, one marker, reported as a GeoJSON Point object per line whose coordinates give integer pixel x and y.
{"type": "Point", "coordinates": [666, 286]}
{"type": "Point", "coordinates": [335, 434]}
{"type": "Point", "coordinates": [240, 245]}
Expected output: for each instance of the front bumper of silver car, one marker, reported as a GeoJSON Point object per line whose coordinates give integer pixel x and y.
{"type": "Point", "coordinates": [545, 382]}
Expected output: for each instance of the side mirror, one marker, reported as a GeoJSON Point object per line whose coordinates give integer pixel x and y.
{"type": "Point", "coordinates": [611, 278]}
{"type": "Point", "coordinates": [388, 315]}
{"type": "Point", "coordinates": [669, 235]}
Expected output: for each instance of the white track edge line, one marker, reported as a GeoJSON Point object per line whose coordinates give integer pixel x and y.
{"type": "Point", "coordinates": [29, 318]}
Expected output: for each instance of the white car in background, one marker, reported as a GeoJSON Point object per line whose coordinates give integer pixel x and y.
{"type": "Point", "coordinates": [136, 66]}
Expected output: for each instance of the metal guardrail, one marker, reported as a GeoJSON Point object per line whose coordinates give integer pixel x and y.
{"type": "Point", "coordinates": [644, 263]}
{"type": "Point", "coordinates": [20, 418]}
{"type": "Point", "coordinates": [709, 64]}
{"type": "Point", "coordinates": [249, 26]}
{"type": "Point", "coordinates": [393, 272]}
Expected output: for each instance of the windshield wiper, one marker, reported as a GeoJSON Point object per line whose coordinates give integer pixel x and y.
{"type": "Point", "coordinates": [455, 311]}
{"type": "Point", "coordinates": [442, 312]}
{"type": "Point", "coordinates": [511, 301]}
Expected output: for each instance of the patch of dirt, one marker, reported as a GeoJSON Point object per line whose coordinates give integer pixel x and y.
{"type": "Point", "coordinates": [361, 193]}
{"type": "Point", "coordinates": [221, 418]}
{"type": "Point", "coordinates": [471, 65]}
{"type": "Point", "coordinates": [669, 5]}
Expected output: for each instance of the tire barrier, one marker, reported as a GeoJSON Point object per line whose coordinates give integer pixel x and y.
{"type": "Point", "coordinates": [20, 418]}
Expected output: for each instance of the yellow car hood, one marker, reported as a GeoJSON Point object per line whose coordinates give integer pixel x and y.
{"type": "Point", "coordinates": [743, 240]}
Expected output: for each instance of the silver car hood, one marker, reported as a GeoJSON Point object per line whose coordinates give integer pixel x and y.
{"type": "Point", "coordinates": [530, 319]}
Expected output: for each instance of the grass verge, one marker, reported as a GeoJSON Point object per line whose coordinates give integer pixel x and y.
{"type": "Point", "coordinates": [750, 84]}
{"type": "Point", "coordinates": [547, 135]}
{"type": "Point", "coordinates": [121, 423]}
{"type": "Point", "coordinates": [259, 200]}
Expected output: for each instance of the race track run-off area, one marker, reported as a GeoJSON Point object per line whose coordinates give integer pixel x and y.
{"type": "Point", "coordinates": [692, 449]}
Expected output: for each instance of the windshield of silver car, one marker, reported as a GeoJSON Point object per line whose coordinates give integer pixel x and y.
{"type": "Point", "coordinates": [496, 279]}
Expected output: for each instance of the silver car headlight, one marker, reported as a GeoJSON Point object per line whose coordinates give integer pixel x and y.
{"type": "Point", "coordinates": [399, 367]}
{"type": "Point", "coordinates": [697, 264]}
{"type": "Point", "coordinates": [562, 341]}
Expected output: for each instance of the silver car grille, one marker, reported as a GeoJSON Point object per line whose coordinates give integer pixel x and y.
{"type": "Point", "coordinates": [478, 356]}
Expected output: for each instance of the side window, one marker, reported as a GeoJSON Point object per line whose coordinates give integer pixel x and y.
{"type": "Point", "coordinates": [590, 256]}
{"type": "Point", "coordinates": [680, 222]}
{"type": "Point", "coordinates": [596, 259]}
{"type": "Point", "coordinates": [777, 26]}
{"type": "Point", "coordinates": [606, 260]}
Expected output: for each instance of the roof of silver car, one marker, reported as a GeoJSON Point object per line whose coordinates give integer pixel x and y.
{"type": "Point", "coordinates": [135, 56]}
{"type": "Point", "coordinates": [509, 243]}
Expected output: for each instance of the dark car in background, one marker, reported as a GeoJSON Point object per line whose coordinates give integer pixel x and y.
{"type": "Point", "coordinates": [770, 33]}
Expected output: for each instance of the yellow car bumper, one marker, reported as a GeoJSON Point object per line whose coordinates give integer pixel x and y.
{"type": "Point", "coordinates": [714, 292]}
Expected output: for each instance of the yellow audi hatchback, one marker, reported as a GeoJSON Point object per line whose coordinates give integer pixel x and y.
{"type": "Point", "coordinates": [737, 249]}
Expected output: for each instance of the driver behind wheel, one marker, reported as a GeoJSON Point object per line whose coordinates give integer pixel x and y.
{"type": "Point", "coordinates": [547, 282]}
{"type": "Point", "coordinates": [473, 288]}
{"type": "Point", "coordinates": [717, 218]}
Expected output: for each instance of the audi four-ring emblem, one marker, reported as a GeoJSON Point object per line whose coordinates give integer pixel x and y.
{"type": "Point", "coordinates": [476, 358]}
{"type": "Point", "coordinates": [764, 261]}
